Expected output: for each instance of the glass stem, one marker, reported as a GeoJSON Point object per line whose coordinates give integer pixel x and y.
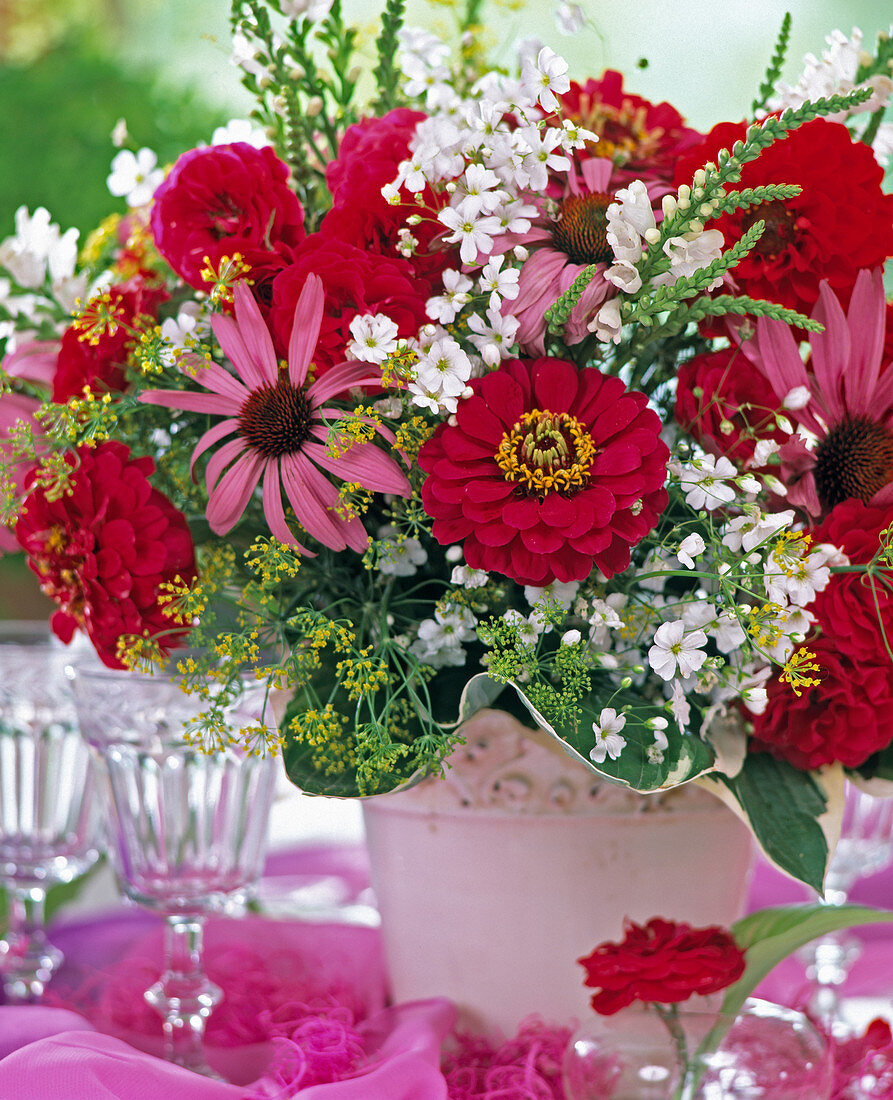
{"type": "Point", "coordinates": [183, 995]}
{"type": "Point", "coordinates": [27, 958]}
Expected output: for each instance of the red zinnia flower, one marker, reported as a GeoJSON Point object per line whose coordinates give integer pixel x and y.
{"type": "Point", "coordinates": [225, 199]}
{"type": "Point", "coordinates": [101, 366]}
{"type": "Point", "coordinates": [355, 282]}
{"type": "Point", "coordinates": [643, 139]}
{"type": "Point", "coordinates": [547, 471]}
{"type": "Point", "coordinates": [102, 550]}
{"type": "Point", "coordinates": [719, 389]}
{"type": "Point", "coordinates": [848, 609]}
{"type": "Point", "coordinates": [661, 962]}
{"type": "Point", "coordinates": [845, 718]}
{"type": "Point", "coordinates": [840, 222]}
{"type": "Point", "coordinates": [368, 158]}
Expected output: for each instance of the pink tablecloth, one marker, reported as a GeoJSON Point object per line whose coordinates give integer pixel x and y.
{"type": "Point", "coordinates": [395, 1051]}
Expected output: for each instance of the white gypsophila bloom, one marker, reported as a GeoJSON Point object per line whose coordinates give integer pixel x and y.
{"type": "Point", "coordinates": [609, 742]}
{"type": "Point", "coordinates": [656, 561]}
{"type": "Point", "coordinates": [544, 153]}
{"type": "Point", "coordinates": [421, 56]}
{"type": "Point", "coordinates": [569, 18]}
{"type": "Point", "coordinates": [240, 129]}
{"type": "Point", "coordinates": [706, 482]}
{"type": "Point", "coordinates": [545, 78]}
{"type": "Point", "coordinates": [442, 372]}
{"type": "Point", "coordinates": [314, 10]}
{"type": "Point", "coordinates": [440, 640]}
{"type": "Point", "coordinates": [607, 324]}
{"type": "Point", "coordinates": [750, 530]}
{"type": "Point", "coordinates": [436, 652]}
{"type": "Point", "coordinates": [495, 337]}
{"type": "Point", "coordinates": [691, 547]}
{"type": "Point", "coordinates": [515, 217]}
{"type": "Point", "coordinates": [571, 637]}
{"type": "Point", "coordinates": [795, 572]}
{"type": "Point", "coordinates": [661, 744]}
{"type": "Point", "coordinates": [679, 706]}
{"type": "Point", "coordinates": [183, 332]}
{"type": "Point", "coordinates": [135, 176]}
{"type": "Point", "coordinates": [27, 255]}
{"type": "Point", "coordinates": [528, 628]}
{"type": "Point", "coordinates": [468, 577]}
{"type": "Point", "coordinates": [399, 556]}
{"type": "Point", "coordinates": [797, 398]}
{"type": "Point", "coordinates": [498, 283]}
{"type": "Point", "coordinates": [374, 338]}
{"type": "Point", "coordinates": [603, 615]}
{"type": "Point", "coordinates": [477, 191]}
{"type": "Point", "coordinates": [562, 593]}
{"type": "Point", "coordinates": [245, 57]}
{"type": "Point", "coordinates": [727, 632]}
{"type": "Point", "coordinates": [763, 450]}
{"type": "Point", "coordinates": [882, 146]}
{"type": "Point", "coordinates": [674, 650]}
{"type": "Point", "coordinates": [444, 307]}
{"type": "Point", "coordinates": [474, 235]}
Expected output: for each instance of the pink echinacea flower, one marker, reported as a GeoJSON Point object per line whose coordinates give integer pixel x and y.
{"type": "Point", "coordinates": [279, 427]}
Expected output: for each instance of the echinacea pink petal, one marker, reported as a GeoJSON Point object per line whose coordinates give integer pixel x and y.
{"type": "Point", "coordinates": [303, 485]}
{"type": "Point", "coordinates": [274, 513]}
{"type": "Point", "coordinates": [35, 361]}
{"type": "Point", "coordinates": [213, 377]}
{"type": "Point", "coordinates": [211, 436]}
{"type": "Point", "coordinates": [230, 498]}
{"type": "Point", "coordinates": [305, 329]}
{"type": "Point", "coordinates": [189, 401]}
{"type": "Point", "coordinates": [775, 353]}
{"type": "Point", "coordinates": [830, 352]}
{"type": "Point", "coordinates": [256, 337]}
{"type": "Point", "coordinates": [365, 464]}
{"type": "Point", "coordinates": [221, 458]}
{"type": "Point", "coordinates": [866, 317]}
{"type": "Point", "coordinates": [342, 377]}
{"type": "Point", "coordinates": [235, 344]}
{"type": "Point", "coordinates": [596, 173]}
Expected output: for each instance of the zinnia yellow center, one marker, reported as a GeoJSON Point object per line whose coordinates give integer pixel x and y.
{"type": "Point", "coordinates": [547, 452]}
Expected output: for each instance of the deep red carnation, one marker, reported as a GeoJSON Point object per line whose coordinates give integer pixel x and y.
{"type": "Point", "coordinates": [644, 139]}
{"type": "Point", "coordinates": [845, 718]}
{"type": "Point", "coordinates": [355, 282]}
{"type": "Point", "coordinates": [547, 471]}
{"type": "Point", "coordinates": [839, 223]}
{"type": "Point", "coordinates": [101, 366]}
{"type": "Point", "coordinates": [661, 962]}
{"type": "Point", "coordinates": [225, 199]}
{"type": "Point", "coordinates": [102, 551]}
{"type": "Point", "coordinates": [368, 158]}
{"type": "Point", "coordinates": [731, 393]}
{"type": "Point", "coordinates": [847, 609]}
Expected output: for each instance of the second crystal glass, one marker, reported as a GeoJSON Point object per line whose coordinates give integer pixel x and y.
{"type": "Point", "coordinates": [188, 828]}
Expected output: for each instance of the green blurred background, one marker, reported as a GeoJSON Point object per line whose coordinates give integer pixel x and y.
{"type": "Point", "coordinates": [69, 69]}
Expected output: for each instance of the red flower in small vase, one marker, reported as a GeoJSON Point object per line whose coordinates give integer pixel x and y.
{"type": "Point", "coordinates": [840, 222]}
{"type": "Point", "coordinates": [642, 138]}
{"type": "Point", "coordinates": [661, 962]}
{"type": "Point", "coordinates": [547, 471]}
{"type": "Point", "coordinates": [225, 199]}
{"type": "Point", "coordinates": [103, 550]}
{"type": "Point", "coordinates": [845, 718]}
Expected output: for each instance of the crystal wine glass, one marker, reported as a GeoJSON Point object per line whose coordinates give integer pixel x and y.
{"type": "Point", "coordinates": [189, 828]}
{"type": "Point", "coordinates": [865, 847]}
{"type": "Point", "coordinates": [48, 818]}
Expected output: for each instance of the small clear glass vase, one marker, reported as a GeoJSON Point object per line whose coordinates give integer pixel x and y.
{"type": "Point", "coordinates": [766, 1052]}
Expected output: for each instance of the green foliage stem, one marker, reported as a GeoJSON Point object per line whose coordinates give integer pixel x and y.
{"type": "Point", "coordinates": [775, 66]}
{"type": "Point", "coordinates": [386, 72]}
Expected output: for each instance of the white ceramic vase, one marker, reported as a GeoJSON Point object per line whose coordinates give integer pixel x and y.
{"type": "Point", "coordinates": [492, 882]}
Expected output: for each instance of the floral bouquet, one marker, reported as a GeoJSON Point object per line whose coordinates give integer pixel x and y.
{"type": "Point", "coordinates": [497, 389]}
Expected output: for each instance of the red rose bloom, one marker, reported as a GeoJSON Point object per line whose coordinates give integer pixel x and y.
{"type": "Point", "coordinates": [839, 223]}
{"type": "Point", "coordinates": [355, 282]}
{"type": "Point", "coordinates": [101, 366]}
{"type": "Point", "coordinates": [661, 962]}
{"type": "Point", "coordinates": [846, 609]}
{"type": "Point", "coordinates": [727, 382]}
{"type": "Point", "coordinates": [642, 138]}
{"type": "Point", "coordinates": [368, 158]}
{"type": "Point", "coordinates": [225, 199]}
{"type": "Point", "coordinates": [102, 551]}
{"type": "Point", "coordinates": [547, 472]}
{"type": "Point", "coordinates": [845, 718]}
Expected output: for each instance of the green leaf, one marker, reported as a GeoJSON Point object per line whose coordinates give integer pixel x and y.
{"type": "Point", "coordinates": [770, 935]}
{"type": "Point", "coordinates": [783, 805]}
{"type": "Point", "coordinates": [686, 758]}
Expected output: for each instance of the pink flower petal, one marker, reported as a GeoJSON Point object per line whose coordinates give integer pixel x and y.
{"type": "Point", "coordinates": [341, 378]}
{"type": "Point", "coordinates": [35, 360]}
{"type": "Point", "coordinates": [364, 464]}
{"type": "Point", "coordinates": [229, 500]}
{"type": "Point", "coordinates": [275, 513]}
{"type": "Point", "coordinates": [866, 318]}
{"type": "Point", "coordinates": [191, 402]}
{"type": "Point", "coordinates": [830, 352]}
{"type": "Point", "coordinates": [305, 329]}
{"type": "Point", "coordinates": [211, 436]}
{"type": "Point", "coordinates": [596, 173]}
{"type": "Point", "coordinates": [222, 458]}
{"type": "Point", "coordinates": [314, 499]}
{"type": "Point", "coordinates": [256, 337]}
{"type": "Point", "coordinates": [774, 352]}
